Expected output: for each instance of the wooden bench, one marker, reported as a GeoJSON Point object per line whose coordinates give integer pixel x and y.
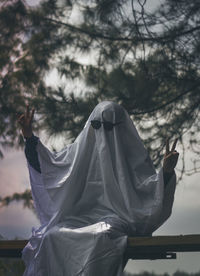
{"type": "Point", "coordinates": [139, 248]}
{"type": "Point", "coordinates": [161, 247]}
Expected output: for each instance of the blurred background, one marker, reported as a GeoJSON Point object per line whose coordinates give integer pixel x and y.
{"type": "Point", "coordinates": [63, 57]}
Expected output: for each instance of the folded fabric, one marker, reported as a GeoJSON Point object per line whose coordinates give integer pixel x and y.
{"type": "Point", "coordinates": [92, 195]}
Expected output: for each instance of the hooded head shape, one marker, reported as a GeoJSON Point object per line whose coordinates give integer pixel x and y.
{"type": "Point", "coordinates": [108, 111]}
{"type": "Point", "coordinates": [103, 173]}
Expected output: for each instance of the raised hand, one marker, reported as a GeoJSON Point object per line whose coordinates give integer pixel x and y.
{"type": "Point", "coordinates": [25, 120]}
{"type": "Point", "coordinates": [170, 157]}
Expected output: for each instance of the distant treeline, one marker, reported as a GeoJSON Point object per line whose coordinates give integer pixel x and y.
{"type": "Point", "coordinates": [15, 267]}
{"type": "Point", "coordinates": [177, 273]}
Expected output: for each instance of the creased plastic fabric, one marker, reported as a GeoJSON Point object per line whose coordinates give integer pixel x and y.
{"type": "Point", "coordinates": [92, 195]}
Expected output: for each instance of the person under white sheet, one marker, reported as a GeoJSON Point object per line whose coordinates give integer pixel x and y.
{"type": "Point", "coordinates": [93, 194]}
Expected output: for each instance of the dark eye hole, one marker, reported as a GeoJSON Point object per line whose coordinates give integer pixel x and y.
{"type": "Point", "coordinates": [108, 125]}
{"type": "Point", "coordinates": [96, 124]}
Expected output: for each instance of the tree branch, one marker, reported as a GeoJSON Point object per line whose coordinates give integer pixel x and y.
{"type": "Point", "coordinates": [165, 104]}
{"type": "Point", "coordinates": [141, 38]}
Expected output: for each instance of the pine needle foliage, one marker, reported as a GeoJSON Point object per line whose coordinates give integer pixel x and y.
{"type": "Point", "coordinates": [145, 58]}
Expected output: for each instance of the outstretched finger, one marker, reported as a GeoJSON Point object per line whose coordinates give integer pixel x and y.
{"type": "Point", "coordinates": [167, 145]}
{"type": "Point", "coordinates": [20, 119]}
{"type": "Point", "coordinates": [27, 110]}
{"type": "Point", "coordinates": [19, 115]}
{"type": "Point", "coordinates": [174, 144]}
{"type": "Point", "coordinates": [32, 113]}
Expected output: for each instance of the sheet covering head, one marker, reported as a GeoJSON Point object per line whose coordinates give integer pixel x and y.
{"type": "Point", "coordinates": [102, 174]}
{"type": "Point", "coordinates": [92, 195]}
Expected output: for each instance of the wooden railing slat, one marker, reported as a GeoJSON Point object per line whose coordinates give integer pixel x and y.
{"type": "Point", "coordinates": [13, 244]}
{"type": "Point", "coordinates": [164, 240]}
{"type": "Point", "coordinates": [156, 247]}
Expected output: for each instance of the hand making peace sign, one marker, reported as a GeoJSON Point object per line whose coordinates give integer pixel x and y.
{"type": "Point", "coordinates": [170, 157]}
{"type": "Point", "coordinates": [25, 120]}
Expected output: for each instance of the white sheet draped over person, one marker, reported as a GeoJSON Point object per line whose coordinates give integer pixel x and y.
{"type": "Point", "coordinates": [92, 195]}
